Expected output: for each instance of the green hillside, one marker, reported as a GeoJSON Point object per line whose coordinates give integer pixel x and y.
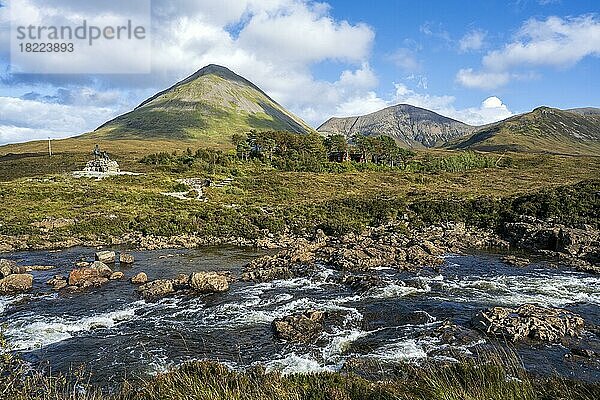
{"type": "Point", "coordinates": [214, 102]}
{"type": "Point", "coordinates": [544, 130]}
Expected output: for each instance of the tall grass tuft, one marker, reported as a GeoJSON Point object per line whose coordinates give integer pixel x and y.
{"type": "Point", "coordinates": [490, 376]}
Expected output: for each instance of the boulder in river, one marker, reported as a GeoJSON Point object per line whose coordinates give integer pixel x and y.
{"type": "Point", "coordinates": [107, 257]}
{"type": "Point", "coordinates": [8, 267]}
{"type": "Point", "coordinates": [94, 275]}
{"type": "Point", "coordinates": [156, 289]}
{"type": "Point", "coordinates": [126, 258]}
{"type": "Point", "coordinates": [116, 275]}
{"type": "Point", "coordinates": [140, 278]}
{"type": "Point", "coordinates": [209, 282]}
{"type": "Point", "coordinates": [79, 275]}
{"type": "Point", "coordinates": [103, 269]}
{"type": "Point", "coordinates": [16, 283]}
{"type": "Point", "coordinates": [419, 256]}
{"type": "Point", "coordinates": [361, 283]}
{"type": "Point", "coordinates": [529, 321]}
{"type": "Point", "coordinates": [58, 282]}
{"type": "Point", "coordinates": [303, 327]}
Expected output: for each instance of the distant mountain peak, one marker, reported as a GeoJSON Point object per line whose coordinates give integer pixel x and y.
{"type": "Point", "coordinates": [409, 125]}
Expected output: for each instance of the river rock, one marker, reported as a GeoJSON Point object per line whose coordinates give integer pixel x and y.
{"type": "Point", "coordinates": [212, 282]}
{"type": "Point", "coordinates": [107, 257]}
{"type": "Point", "coordinates": [7, 267]}
{"type": "Point", "coordinates": [583, 352]}
{"type": "Point", "coordinates": [80, 275]}
{"type": "Point", "coordinates": [577, 242]}
{"type": "Point", "coordinates": [267, 274]}
{"type": "Point", "coordinates": [419, 256]}
{"type": "Point", "coordinates": [303, 327]}
{"type": "Point", "coordinates": [156, 289]}
{"type": "Point", "coordinates": [361, 283]}
{"type": "Point", "coordinates": [93, 282]}
{"type": "Point", "coordinates": [126, 258]}
{"type": "Point", "coordinates": [103, 269]}
{"type": "Point", "coordinates": [116, 275]}
{"type": "Point", "coordinates": [452, 334]}
{"type": "Point", "coordinates": [515, 261]}
{"type": "Point", "coordinates": [529, 321]}
{"type": "Point", "coordinates": [58, 282]}
{"type": "Point", "coordinates": [31, 268]}
{"type": "Point", "coordinates": [140, 278]}
{"type": "Point", "coordinates": [16, 283]}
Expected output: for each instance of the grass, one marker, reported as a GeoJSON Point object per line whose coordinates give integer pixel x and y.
{"type": "Point", "coordinates": [262, 199]}
{"type": "Point", "coordinates": [488, 377]}
{"type": "Point", "coordinates": [544, 130]}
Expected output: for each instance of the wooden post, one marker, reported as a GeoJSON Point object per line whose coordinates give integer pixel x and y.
{"type": "Point", "coordinates": [50, 147]}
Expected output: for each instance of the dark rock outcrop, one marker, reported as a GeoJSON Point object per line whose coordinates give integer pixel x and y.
{"type": "Point", "coordinates": [573, 247]}
{"type": "Point", "coordinates": [303, 327]}
{"type": "Point", "coordinates": [156, 289]}
{"type": "Point", "coordinates": [529, 321]}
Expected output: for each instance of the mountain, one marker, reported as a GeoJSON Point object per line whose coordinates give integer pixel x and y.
{"type": "Point", "coordinates": [545, 129]}
{"type": "Point", "coordinates": [409, 125]}
{"type": "Point", "coordinates": [212, 102]}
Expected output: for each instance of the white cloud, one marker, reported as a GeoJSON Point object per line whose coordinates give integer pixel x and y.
{"type": "Point", "coordinates": [473, 40]}
{"type": "Point", "coordinates": [361, 105]}
{"type": "Point", "coordinates": [24, 120]}
{"type": "Point", "coordinates": [274, 43]}
{"type": "Point", "coordinates": [554, 42]}
{"type": "Point", "coordinates": [491, 109]}
{"type": "Point", "coordinates": [406, 60]}
{"type": "Point", "coordinates": [481, 80]}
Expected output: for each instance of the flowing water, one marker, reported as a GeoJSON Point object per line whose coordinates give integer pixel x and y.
{"type": "Point", "coordinates": [117, 335]}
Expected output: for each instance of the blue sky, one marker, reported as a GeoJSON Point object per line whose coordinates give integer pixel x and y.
{"type": "Point", "coordinates": [474, 61]}
{"type": "Point", "coordinates": [432, 30]}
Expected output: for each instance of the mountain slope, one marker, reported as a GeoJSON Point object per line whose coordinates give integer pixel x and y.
{"type": "Point", "coordinates": [545, 129]}
{"type": "Point", "coordinates": [410, 126]}
{"type": "Point", "coordinates": [212, 102]}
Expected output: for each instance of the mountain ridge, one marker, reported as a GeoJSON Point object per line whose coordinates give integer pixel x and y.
{"type": "Point", "coordinates": [409, 125]}
{"type": "Point", "coordinates": [213, 101]}
{"type": "Point", "coordinates": [542, 130]}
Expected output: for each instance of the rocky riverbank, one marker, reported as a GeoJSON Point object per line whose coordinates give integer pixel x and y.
{"type": "Point", "coordinates": [395, 244]}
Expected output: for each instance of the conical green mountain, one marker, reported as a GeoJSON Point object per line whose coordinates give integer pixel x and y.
{"type": "Point", "coordinates": [213, 102]}
{"type": "Point", "coordinates": [543, 130]}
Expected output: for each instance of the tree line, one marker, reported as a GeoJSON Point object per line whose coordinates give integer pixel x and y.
{"type": "Point", "coordinates": [287, 147]}
{"type": "Point", "coordinates": [288, 151]}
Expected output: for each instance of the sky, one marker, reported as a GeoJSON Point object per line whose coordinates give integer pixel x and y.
{"type": "Point", "coordinates": [475, 61]}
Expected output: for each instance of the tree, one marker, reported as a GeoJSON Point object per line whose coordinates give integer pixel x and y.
{"type": "Point", "coordinates": [365, 145]}
{"type": "Point", "coordinates": [336, 144]}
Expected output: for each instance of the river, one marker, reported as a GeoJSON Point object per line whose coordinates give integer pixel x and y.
{"type": "Point", "coordinates": [115, 334]}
